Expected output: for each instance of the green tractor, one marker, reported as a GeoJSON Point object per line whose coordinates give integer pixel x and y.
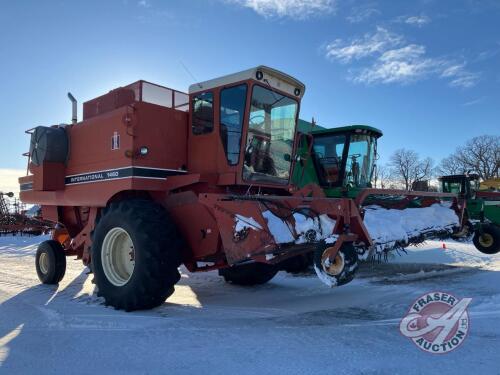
{"type": "Point", "coordinates": [482, 210]}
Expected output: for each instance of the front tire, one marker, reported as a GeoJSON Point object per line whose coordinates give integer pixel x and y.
{"type": "Point", "coordinates": [487, 242]}
{"type": "Point", "coordinates": [249, 274]}
{"type": "Point", "coordinates": [339, 272]}
{"type": "Point", "coordinates": [136, 251]}
{"type": "Point", "coordinates": [50, 262]}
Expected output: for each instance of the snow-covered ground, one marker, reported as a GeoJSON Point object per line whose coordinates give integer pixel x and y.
{"type": "Point", "coordinates": [292, 325]}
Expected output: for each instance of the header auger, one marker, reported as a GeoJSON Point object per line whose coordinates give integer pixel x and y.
{"type": "Point", "coordinates": [153, 178]}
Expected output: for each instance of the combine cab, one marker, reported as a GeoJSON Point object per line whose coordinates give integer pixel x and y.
{"type": "Point", "coordinates": [482, 209]}
{"type": "Point", "coordinates": [341, 161]}
{"type": "Point", "coordinates": [153, 178]}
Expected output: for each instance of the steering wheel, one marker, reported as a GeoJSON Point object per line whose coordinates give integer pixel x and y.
{"type": "Point", "coordinates": [354, 169]}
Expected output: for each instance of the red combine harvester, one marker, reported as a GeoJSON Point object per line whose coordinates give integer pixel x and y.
{"type": "Point", "coordinates": [153, 178]}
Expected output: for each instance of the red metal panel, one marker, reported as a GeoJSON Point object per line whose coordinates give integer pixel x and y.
{"type": "Point", "coordinates": [257, 242]}
{"type": "Point", "coordinates": [48, 176]}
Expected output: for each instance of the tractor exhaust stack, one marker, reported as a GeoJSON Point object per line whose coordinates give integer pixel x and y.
{"type": "Point", "coordinates": [74, 116]}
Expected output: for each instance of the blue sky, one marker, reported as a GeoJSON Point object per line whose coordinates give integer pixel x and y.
{"type": "Point", "coordinates": [425, 72]}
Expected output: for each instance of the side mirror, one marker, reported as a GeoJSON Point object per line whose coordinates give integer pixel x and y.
{"type": "Point", "coordinates": [287, 157]}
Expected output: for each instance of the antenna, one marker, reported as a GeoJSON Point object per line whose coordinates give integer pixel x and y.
{"type": "Point", "coordinates": [191, 74]}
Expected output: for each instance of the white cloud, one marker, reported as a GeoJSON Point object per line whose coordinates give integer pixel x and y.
{"type": "Point", "coordinates": [388, 58]}
{"type": "Point", "coordinates": [474, 101]}
{"type": "Point", "coordinates": [298, 9]}
{"type": "Point", "coordinates": [9, 179]}
{"type": "Point", "coordinates": [368, 45]}
{"type": "Point", "coordinates": [360, 14]}
{"type": "Point", "coordinates": [465, 80]}
{"type": "Point", "coordinates": [459, 76]}
{"type": "Point", "coordinates": [417, 20]}
{"type": "Point", "coordinates": [402, 65]}
{"type": "Point", "coordinates": [144, 4]}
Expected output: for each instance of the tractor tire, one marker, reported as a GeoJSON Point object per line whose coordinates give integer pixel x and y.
{"type": "Point", "coordinates": [50, 262]}
{"type": "Point", "coordinates": [135, 253]}
{"type": "Point", "coordinates": [249, 274]}
{"type": "Point", "coordinates": [489, 241]}
{"type": "Point", "coordinates": [344, 268]}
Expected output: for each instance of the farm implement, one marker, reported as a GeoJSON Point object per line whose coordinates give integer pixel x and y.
{"type": "Point", "coordinates": [14, 220]}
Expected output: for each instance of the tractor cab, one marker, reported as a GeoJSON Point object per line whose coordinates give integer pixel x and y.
{"type": "Point", "coordinates": [464, 185]}
{"type": "Point", "coordinates": [243, 127]}
{"type": "Point", "coordinates": [344, 157]}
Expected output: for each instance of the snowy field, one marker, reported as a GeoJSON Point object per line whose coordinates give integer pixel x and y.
{"type": "Point", "coordinates": [292, 325]}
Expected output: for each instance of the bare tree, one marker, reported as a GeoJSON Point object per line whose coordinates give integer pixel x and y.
{"type": "Point", "coordinates": [480, 155]}
{"type": "Point", "coordinates": [408, 168]}
{"type": "Point", "coordinates": [403, 162]}
{"type": "Point", "coordinates": [381, 176]}
{"type": "Point", "coordinates": [451, 165]}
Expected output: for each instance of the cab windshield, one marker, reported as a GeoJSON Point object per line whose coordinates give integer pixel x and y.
{"type": "Point", "coordinates": [359, 163]}
{"type": "Point", "coordinates": [338, 166]}
{"type": "Point", "coordinates": [452, 187]}
{"type": "Point", "coordinates": [271, 129]}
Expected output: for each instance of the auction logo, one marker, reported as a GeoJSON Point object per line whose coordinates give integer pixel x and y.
{"type": "Point", "coordinates": [437, 322]}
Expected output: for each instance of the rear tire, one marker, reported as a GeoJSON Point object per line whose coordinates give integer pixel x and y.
{"type": "Point", "coordinates": [249, 274]}
{"type": "Point", "coordinates": [341, 271]}
{"type": "Point", "coordinates": [50, 262]}
{"type": "Point", "coordinates": [489, 241]}
{"type": "Point", "coordinates": [135, 255]}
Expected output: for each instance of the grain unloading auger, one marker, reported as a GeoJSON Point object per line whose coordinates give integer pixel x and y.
{"type": "Point", "coordinates": [153, 178]}
{"type": "Point", "coordinates": [341, 161]}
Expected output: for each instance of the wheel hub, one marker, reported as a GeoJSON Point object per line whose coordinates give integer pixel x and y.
{"type": "Point", "coordinates": [43, 262]}
{"type": "Point", "coordinates": [118, 256]}
{"type": "Point", "coordinates": [486, 240]}
{"type": "Point", "coordinates": [333, 268]}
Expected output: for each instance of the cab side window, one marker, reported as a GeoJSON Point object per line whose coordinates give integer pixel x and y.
{"type": "Point", "coordinates": [232, 111]}
{"type": "Point", "coordinates": [203, 113]}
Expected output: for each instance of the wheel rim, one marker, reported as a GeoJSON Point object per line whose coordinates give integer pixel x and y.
{"type": "Point", "coordinates": [43, 263]}
{"type": "Point", "coordinates": [486, 240]}
{"type": "Point", "coordinates": [334, 268]}
{"type": "Point", "coordinates": [118, 256]}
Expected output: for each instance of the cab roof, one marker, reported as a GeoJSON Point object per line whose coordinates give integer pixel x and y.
{"type": "Point", "coordinates": [273, 77]}
{"type": "Point", "coordinates": [350, 129]}
{"type": "Point", "coordinates": [459, 177]}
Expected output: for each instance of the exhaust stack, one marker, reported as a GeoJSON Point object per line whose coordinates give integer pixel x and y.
{"type": "Point", "coordinates": [74, 117]}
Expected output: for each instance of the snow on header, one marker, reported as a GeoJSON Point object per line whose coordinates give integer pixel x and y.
{"type": "Point", "coordinates": [283, 232]}
{"type": "Point", "coordinates": [388, 226]}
